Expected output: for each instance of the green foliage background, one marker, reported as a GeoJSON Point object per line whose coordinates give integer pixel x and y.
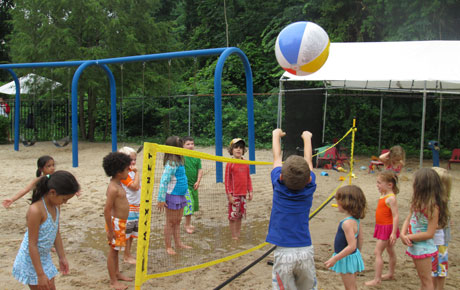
{"type": "Point", "coordinates": [58, 30]}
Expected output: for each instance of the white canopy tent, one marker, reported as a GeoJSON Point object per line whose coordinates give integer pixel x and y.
{"type": "Point", "coordinates": [406, 66]}
{"type": "Point", "coordinates": [28, 84]}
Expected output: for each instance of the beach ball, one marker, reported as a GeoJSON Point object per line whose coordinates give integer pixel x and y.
{"type": "Point", "coordinates": [302, 48]}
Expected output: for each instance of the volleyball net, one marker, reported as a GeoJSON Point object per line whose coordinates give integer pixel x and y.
{"type": "Point", "coordinates": [211, 240]}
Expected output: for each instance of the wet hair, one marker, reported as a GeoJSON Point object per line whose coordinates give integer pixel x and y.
{"type": "Point", "coordinates": [397, 152]}
{"type": "Point", "coordinates": [351, 198]}
{"type": "Point", "coordinates": [63, 182]}
{"type": "Point", "coordinates": [187, 138]}
{"type": "Point", "coordinates": [391, 177]}
{"type": "Point", "coordinates": [127, 150]}
{"type": "Point", "coordinates": [295, 172]}
{"type": "Point", "coordinates": [41, 162]}
{"type": "Point", "coordinates": [239, 144]}
{"type": "Point", "coordinates": [428, 194]}
{"type": "Point", "coordinates": [115, 162]}
{"type": "Point", "coordinates": [173, 159]}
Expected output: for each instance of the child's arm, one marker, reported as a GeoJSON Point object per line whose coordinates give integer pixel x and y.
{"type": "Point", "coordinates": [109, 204]}
{"type": "Point", "coordinates": [229, 182]}
{"type": "Point", "coordinates": [136, 184]}
{"type": "Point", "coordinates": [306, 136]}
{"type": "Point", "coordinates": [165, 179]}
{"type": "Point", "coordinates": [63, 263]}
{"type": "Point", "coordinates": [198, 180]}
{"type": "Point", "coordinates": [34, 219]}
{"type": "Point", "coordinates": [360, 239]}
{"type": "Point", "coordinates": [385, 157]}
{"type": "Point", "coordinates": [276, 147]}
{"type": "Point", "coordinates": [404, 239]}
{"type": "Point", "coordinates": [249, 186]}
{"type": "Point", "coordinates": [430, 231]}
{"type": "Point", "coordinates": [392, 203]}
{"type": "Point", "coordinates": [348, 228]}
{"type": "Point", "coordinates": [7, 202]}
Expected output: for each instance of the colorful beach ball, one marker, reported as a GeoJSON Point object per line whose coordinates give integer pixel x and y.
{"type": "Point", "coordinates": [302, 48]}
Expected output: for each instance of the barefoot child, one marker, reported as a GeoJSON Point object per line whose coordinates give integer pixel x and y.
{"type": "Point", "coordinates": [116, 212]}
{"type": "Point", "coordinates": [133, 193]}
{"type": "Point", "coordinates": [238, 185]}
{"type": "Point", "coordinates": [442, 236]}
{"type": "Point", "coordinates": [428, 211]}
{"type": "Point", "coordinates": [293, 187]}
{"type": "Point", "coordinates": [33, 265]}
{"type": "Point", "coordinates": [171, 195]}
{"type": "Point", "coordinates": [45, 166]}
{"type": "Point", "coordinates": [347, 259]}
{"type": "Point", "coordinates": [194, 174]}
{"type": "Point", "coordinates": [386, 225]}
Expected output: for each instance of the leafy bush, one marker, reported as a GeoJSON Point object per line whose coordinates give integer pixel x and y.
{"type": "Point", "coordinates": [4, 124]}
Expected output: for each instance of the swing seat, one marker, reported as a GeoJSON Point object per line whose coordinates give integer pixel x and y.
{"type": "Point", "coordinates": [455, 158]}
{"type": "Point", "coordinates": [62, 143]}
{"type": "Point", "coordinates": [28, 143]}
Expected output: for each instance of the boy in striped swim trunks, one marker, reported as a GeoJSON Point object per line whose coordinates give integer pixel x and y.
{"type": "Point", "coordinates": [133, 193]}
{"type": "Point", "coordinates": [116, 211]}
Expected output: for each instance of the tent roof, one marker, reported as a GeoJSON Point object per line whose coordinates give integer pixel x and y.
{"type": "Point", "coordinates": [27, 84]}
{"type": "Point", "coordinates": [403, 65]}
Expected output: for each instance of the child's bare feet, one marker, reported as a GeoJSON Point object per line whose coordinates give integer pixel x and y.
{"type": "Point", "coordinates": [372, 283]}
{"type": "Point", "coordinates": [388, 277]}
{"type": "Point", "coordinates": [170, 251]}
{"type": "Point", "coordinates": [118, 286]}
{"type": "Point", "coordinates": [184, 246]}
{"type": "Point", "coordinates": [129, 260]}
{"type": "Point", "coordinates": [190, 229]}
{"type": "Point", "coordinates": [123, 277]}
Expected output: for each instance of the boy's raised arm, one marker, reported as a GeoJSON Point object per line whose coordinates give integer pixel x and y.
{"type": "Point", "coordinates": [276, 147]}
{"type": "Point", "coordinates": [306, 136]}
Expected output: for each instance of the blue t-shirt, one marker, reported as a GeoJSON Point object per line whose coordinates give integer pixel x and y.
{"type": "Point", "coordinates": [290, 213]}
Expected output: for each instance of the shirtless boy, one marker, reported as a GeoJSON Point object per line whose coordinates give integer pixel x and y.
{"type": "Point", "coordinates": [116, 211]}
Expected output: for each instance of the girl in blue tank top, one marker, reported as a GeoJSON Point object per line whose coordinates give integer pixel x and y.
{"type": "Point", "coordinates": [347, 259]}
{"type": "Point", "coordinates": [172, 195]}
{"type": "Point", "coordinates": [33, 265]}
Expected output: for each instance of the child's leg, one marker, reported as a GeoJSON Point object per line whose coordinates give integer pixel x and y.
{"type": "Point", "coordinates": [188, 224]}
{"type": "Point", "coordinates": [378, 251]}
{"type": "Point", "coordinates": [438, 283]}
{"type": "Point", "coordinates": [127, 256]}
{"type": "Point", "coordinates": [238, 227]}
{"type": "Point", "coordinates": [392, 263]}
{"type": "Point", "coordinates": [177, 217]}
{"type": "Point", "coordinates": [168, 231]}
{"type": "Point", "coordinates": [349, 281]}
{"type": "Point", "coordinates": [52, 286]}
{"type": "Point", "coordinates": [114, 272]}
{"type": "Point", "coordinates": [423, 267]}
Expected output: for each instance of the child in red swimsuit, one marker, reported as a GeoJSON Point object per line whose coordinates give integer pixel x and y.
{"type": "Point", "coordinates": [386, 225]}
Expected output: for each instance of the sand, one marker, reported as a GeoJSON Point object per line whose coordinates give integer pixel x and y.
{"type": "Point", "coordinates": [84, 238]}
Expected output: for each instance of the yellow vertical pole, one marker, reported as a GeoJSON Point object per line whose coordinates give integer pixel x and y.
{"type": "Point", "coordinates": [145, 213]}
{"type": "Point", "coordinates": [352, 148]}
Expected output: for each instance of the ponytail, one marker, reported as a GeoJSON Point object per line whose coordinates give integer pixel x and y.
{"type": "Point", "coordinates": [63, 182]}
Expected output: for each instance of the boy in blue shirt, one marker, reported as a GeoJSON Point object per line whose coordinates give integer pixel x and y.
{"type": "Point", "coordinates": [293, 187]}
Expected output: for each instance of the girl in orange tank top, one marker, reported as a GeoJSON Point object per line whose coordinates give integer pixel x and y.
{"type": "Point", "coordinates": [386, 225]}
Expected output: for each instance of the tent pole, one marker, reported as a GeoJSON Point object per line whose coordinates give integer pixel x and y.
{"type": "Point", "coordinates": [324, 115]}
{"type": "Point", "coordinates": [380, 125]}
{"type": "Point", "coordinates": [280, 105]}
{"type": "Point", "coordinates": [422, 137]}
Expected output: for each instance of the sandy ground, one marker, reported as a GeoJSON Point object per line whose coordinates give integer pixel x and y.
{"type": "Point", "coordinates": [84, 238]}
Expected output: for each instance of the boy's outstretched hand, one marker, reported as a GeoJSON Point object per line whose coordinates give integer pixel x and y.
{"type": "Point", "coordinates": [278, 132]}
